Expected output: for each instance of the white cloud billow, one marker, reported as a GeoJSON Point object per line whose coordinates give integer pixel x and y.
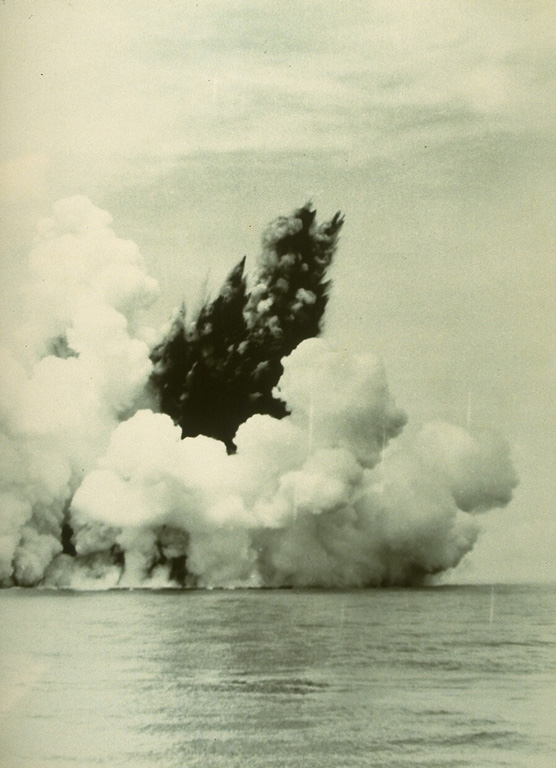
{"type": "Point", "coordinates": [324, 497]}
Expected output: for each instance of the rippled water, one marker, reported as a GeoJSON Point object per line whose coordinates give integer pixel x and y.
{"type": "Point", "coordinates": [453, 676]}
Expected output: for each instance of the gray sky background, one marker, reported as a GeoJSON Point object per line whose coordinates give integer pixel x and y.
{"type": "Point", "coordinates": [432, 125]}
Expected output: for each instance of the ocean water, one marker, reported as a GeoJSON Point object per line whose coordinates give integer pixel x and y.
{"type": "Point", "coordinates": [449, 676]}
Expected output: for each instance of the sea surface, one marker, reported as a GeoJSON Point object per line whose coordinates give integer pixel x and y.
{"type": "Point", "coordinates": [446, 676]}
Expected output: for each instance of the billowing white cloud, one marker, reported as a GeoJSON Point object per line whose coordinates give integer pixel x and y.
{"type": "Point", "coordinates": [96, 487]}
{"type": "Point", "coordinates": [77, 364]}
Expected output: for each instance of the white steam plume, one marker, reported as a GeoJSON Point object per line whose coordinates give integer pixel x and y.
{"type": "Point", "coordinates": [314, 499]}
{"type": "Point", "coordinates": [79, 362]}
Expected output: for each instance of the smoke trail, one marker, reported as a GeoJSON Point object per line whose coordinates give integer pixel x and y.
{"type": "Point", "coordinates": [253, 454]}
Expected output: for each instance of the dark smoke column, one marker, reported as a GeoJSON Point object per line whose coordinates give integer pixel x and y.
{"type": "Point", "coordinates": [212, 374]}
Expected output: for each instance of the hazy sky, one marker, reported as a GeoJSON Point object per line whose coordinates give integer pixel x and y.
{"type": "Point", "coordinates": [432, 125]}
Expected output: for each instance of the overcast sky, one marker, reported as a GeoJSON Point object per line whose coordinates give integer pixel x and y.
{"type": "Point", "coordinates": [431, 125]}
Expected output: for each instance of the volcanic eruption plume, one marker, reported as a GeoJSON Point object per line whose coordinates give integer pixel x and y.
{"type": "Point", "coordinates": [239, 449]}
{"type": "Point", "coordinates": [213, 375]}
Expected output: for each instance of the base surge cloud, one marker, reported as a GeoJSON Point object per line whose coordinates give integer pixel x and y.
{"type": "Point", "coordinates": [119, 469]}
